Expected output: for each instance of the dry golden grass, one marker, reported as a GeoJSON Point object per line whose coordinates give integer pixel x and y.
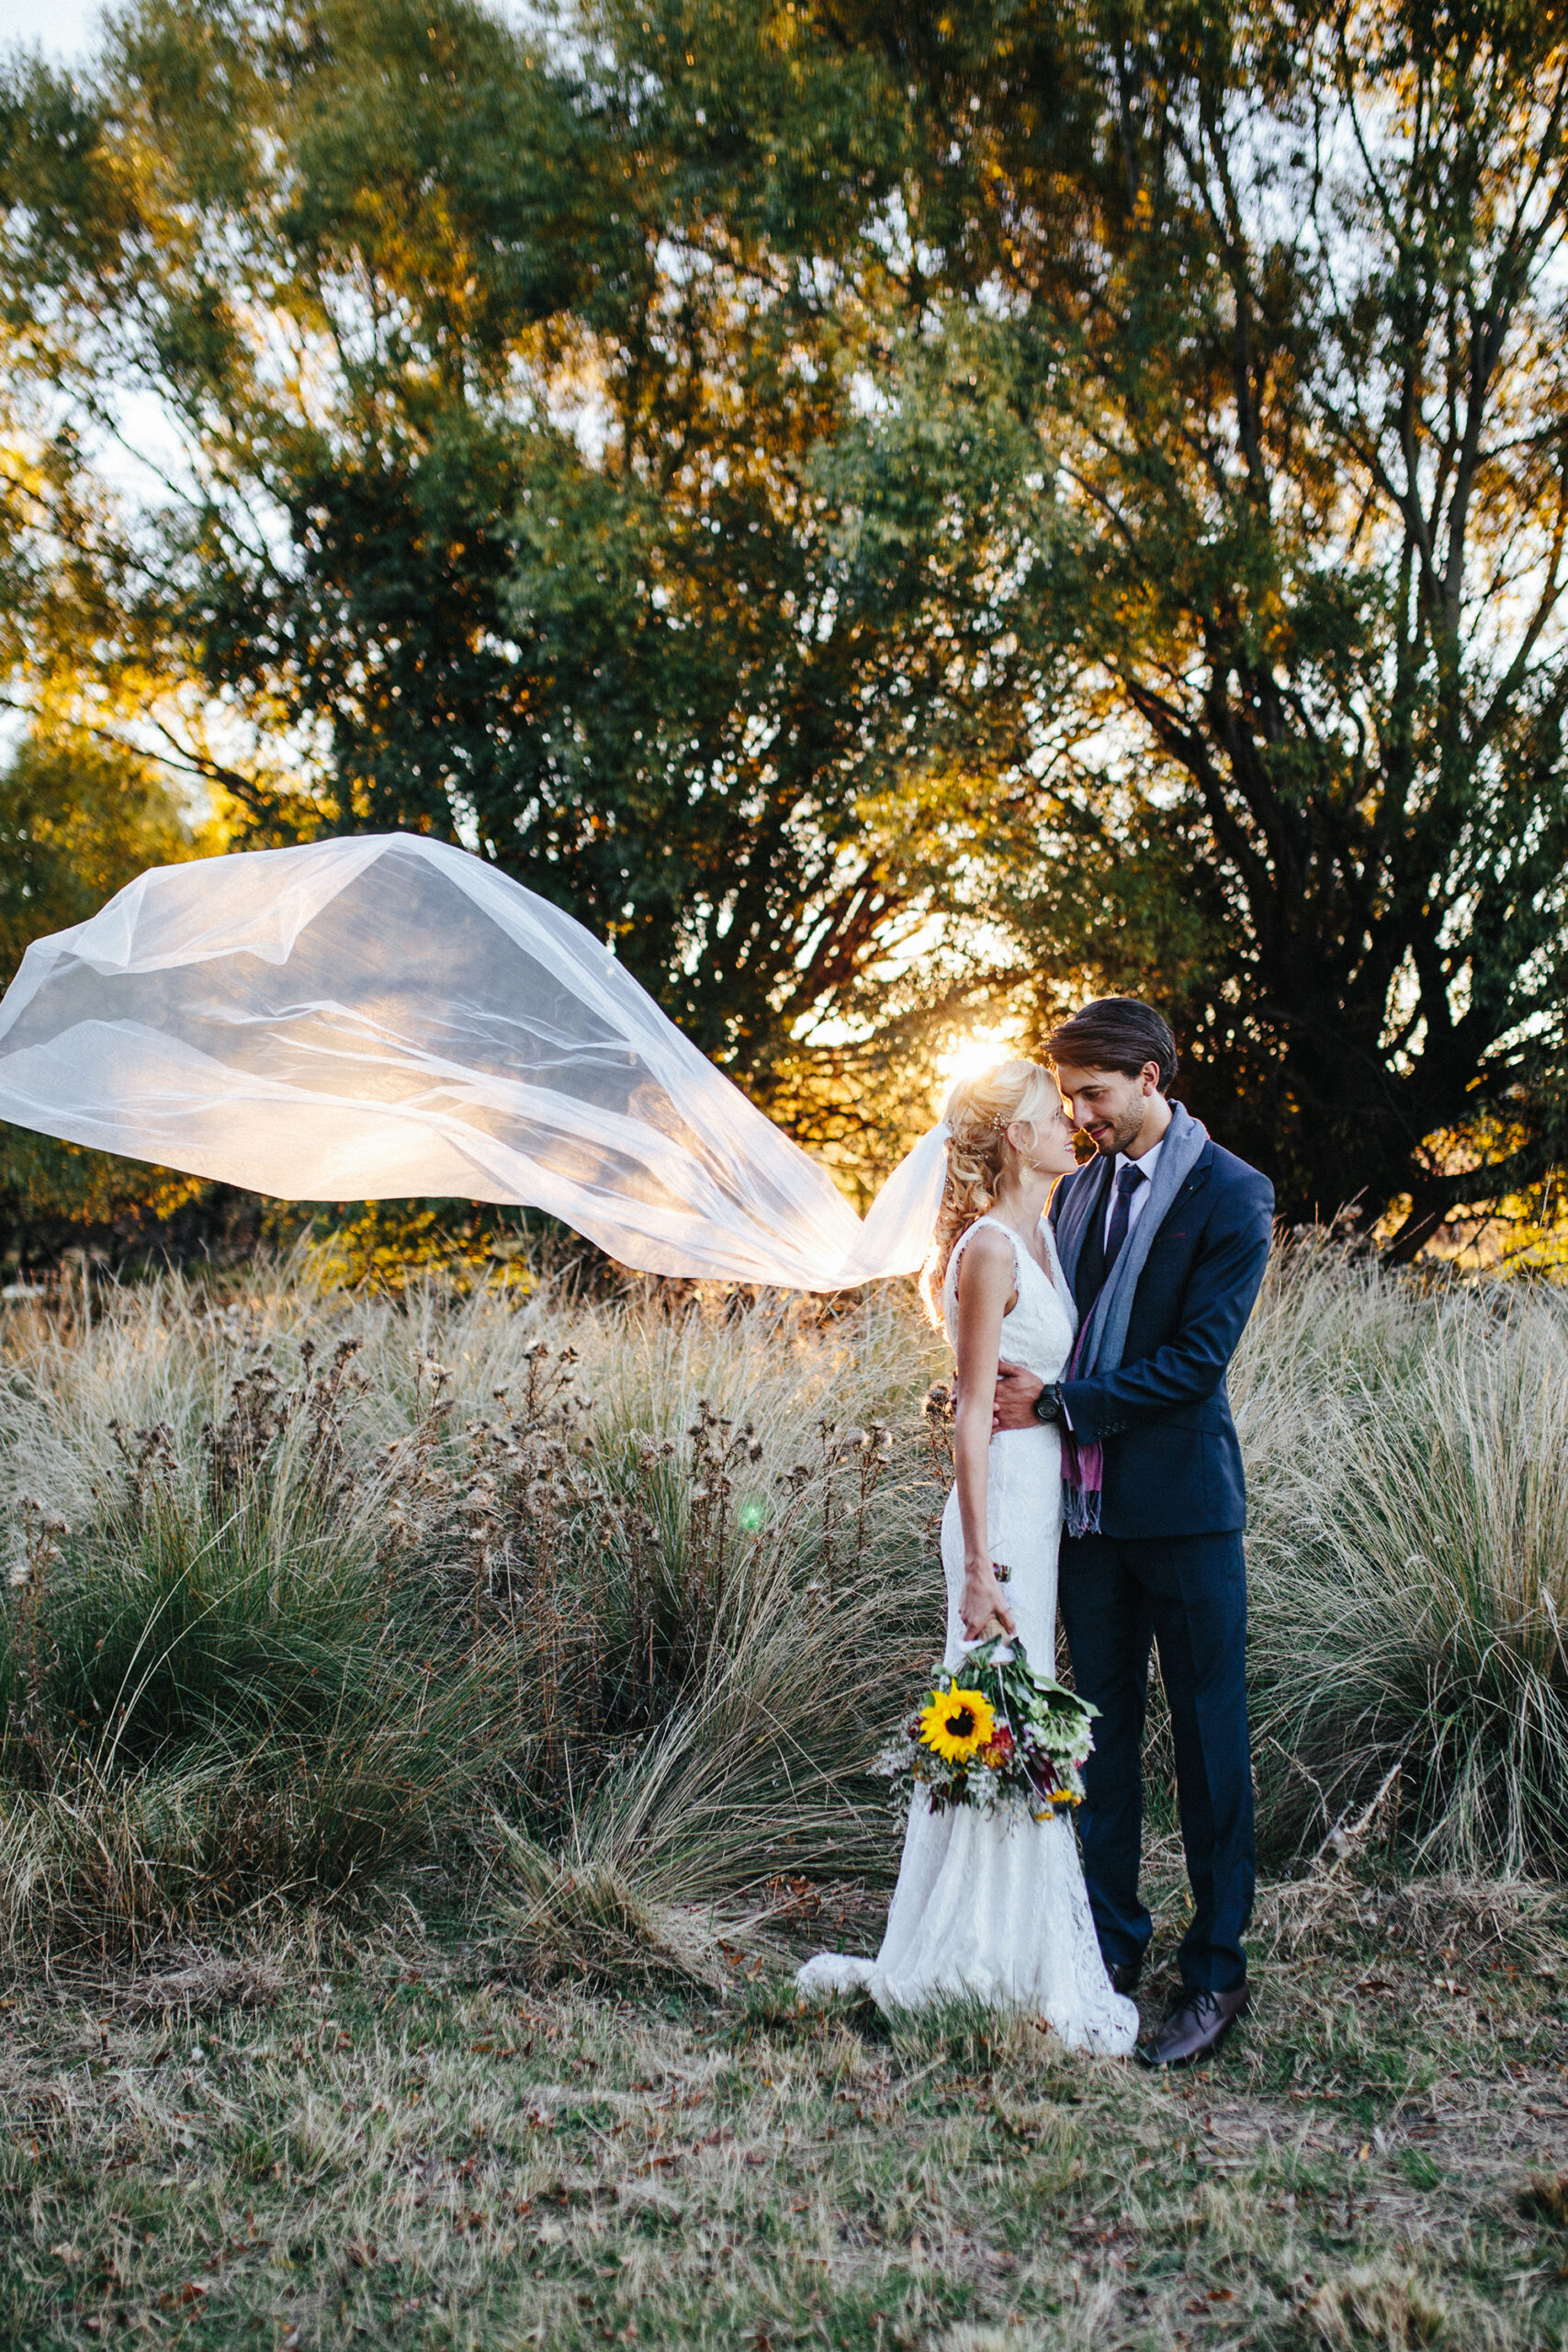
{"type": "Point", "coordinates": [533, 1598]}
{"type": "Point", "coordinates": [1407, 1451]}
{"type": "Point", "coordinates": [415, 1643]}
{"type": "Point", "coordinates": [536, 1596]}
{"type": "Point", "coordinates": [404, 2146]}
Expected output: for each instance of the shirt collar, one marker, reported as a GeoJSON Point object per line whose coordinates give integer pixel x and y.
{"type": "Point", "coordinates": [1144, 1163]}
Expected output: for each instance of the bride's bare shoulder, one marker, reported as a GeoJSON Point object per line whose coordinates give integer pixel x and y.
{"type": "Point", "coordinates": [988, 1251]}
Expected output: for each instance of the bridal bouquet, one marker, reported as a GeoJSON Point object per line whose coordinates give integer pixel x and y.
{"type": "Point", "coordinates": [997, 1732]}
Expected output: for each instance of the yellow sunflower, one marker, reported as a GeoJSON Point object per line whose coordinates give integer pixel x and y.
{"type": "Point", "coordinates": [957, 1724]}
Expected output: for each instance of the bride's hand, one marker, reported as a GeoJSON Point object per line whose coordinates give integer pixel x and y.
{"type": "Point", "coordinates": [981, 1599]}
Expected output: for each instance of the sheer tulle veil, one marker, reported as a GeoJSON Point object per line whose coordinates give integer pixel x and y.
{"type": "Point", "coordinates": [385, 1016]}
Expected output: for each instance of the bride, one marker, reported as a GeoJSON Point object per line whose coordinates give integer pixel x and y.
{"type": "Point", "coordinates": [994, 1904]}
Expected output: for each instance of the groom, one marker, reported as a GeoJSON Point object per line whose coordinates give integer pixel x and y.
{"type": "Point", "coordinates": [1164, 1238]}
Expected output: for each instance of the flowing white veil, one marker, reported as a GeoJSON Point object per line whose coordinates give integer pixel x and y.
{"type": "Point", "coordinates": [384, 1015]}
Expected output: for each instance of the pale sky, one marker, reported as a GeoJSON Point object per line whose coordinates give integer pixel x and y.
{"type": "Point", "coordinates": [63, 29]}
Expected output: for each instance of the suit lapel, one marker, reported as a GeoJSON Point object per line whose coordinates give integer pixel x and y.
{"type": "Point", "coordinates": [1090, 1271]}
{"type": "Point", "coordinates": [1200, 1174]}
{"type": "Point", "coordinates": [1092, 1267]}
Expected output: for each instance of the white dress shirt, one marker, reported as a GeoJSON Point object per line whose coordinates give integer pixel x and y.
{"type": "Point", "coordinates": [1146, 1164]}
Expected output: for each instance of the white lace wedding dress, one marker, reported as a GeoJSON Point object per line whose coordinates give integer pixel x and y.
{"type": "Point", "coordinates": [995, 1904]}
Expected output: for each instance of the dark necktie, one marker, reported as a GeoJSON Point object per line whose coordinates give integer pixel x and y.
{"type": "Point", "coordinates": [1127, 1183]}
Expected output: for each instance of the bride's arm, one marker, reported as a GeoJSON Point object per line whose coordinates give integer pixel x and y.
{"type": "Point", "coordinates": [986, 1284]}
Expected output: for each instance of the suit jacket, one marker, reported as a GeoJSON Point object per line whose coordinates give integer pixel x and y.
{"type": "Point", "coordinates": [1172, 1462]}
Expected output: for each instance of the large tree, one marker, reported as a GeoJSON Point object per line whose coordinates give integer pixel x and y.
{"type": "Point", "coordinates": [763, 475]}
{"type": "Point", "coordinates": [1283, 289]}
{"type": "Point", "coordinates": [516, 466]}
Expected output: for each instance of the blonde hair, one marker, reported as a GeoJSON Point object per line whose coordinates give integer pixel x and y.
{"type": "Point", "coordinates": [979, 1113]}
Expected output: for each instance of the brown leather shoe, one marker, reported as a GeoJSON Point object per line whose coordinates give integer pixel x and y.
{"type": "Point", "coordinates": [1196, 2028]}
{"type": "Point", "coordinates": [1126, 1975]}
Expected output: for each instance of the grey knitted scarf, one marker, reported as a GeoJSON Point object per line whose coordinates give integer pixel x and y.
{"type": "Point", "coordinates": [1103, 1332]}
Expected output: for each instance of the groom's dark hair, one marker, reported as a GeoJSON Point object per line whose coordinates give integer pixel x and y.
{"type": "Point", "coordinates": [1116, 1033]}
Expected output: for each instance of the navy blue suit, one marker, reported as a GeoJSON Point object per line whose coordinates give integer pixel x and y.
{"type": "Point", "coordinates": [1167, 1566]}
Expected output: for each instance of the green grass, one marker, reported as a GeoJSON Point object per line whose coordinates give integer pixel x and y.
{"type": "Point", "coordinates": [410, 2147]}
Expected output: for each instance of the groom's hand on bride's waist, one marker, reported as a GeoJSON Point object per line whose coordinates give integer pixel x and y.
{"type": "Point", "coordinates": [1016, 1393]}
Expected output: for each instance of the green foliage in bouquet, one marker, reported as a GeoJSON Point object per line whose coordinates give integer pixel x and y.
{"type": "Point", "coordinates": [997, 1732]}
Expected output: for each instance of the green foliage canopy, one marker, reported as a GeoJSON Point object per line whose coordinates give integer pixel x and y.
{"type": "Point", "coordinates": [764, 477]}
{"type": "Point", "coordinates": [77, 821]}
{"type": "Point", "coordinates": [1282, 286]}
{"type": "Point", "coordinates": [520, 471]}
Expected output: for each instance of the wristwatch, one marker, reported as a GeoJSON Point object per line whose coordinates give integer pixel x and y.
{"type": "Point", "coordinates": [1048, 1405]}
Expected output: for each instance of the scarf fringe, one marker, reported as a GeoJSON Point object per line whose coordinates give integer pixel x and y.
{"type": "Point", "coordinates": [1081, 1511]}
{"type": "Point", "coordinates": [1083, 1479]}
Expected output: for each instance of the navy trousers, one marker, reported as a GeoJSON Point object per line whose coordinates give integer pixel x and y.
{"type": "Point", "coordinates": [1188, 1594]}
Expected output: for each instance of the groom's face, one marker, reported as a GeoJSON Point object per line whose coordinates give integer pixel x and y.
{"type": "Point", "coordinates": [1108, 1105]}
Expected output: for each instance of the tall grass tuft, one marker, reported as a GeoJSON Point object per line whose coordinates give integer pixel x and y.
{"type": "Point", "coordinates": [311, 1589]}
{"type": "Point", "coordinates": [1408, 1450]}
{"type": "Point", "coordinates": [218, 1682]}
{"type": "Point", "coordinates": [589, 1614]}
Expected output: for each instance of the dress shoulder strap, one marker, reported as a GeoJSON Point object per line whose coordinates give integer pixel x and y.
{"type": "Point", "coordinates": [966, 1236]}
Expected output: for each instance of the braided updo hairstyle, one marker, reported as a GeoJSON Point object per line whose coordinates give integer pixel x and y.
{"type": "Point", "coordinates": [979, 1113]}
